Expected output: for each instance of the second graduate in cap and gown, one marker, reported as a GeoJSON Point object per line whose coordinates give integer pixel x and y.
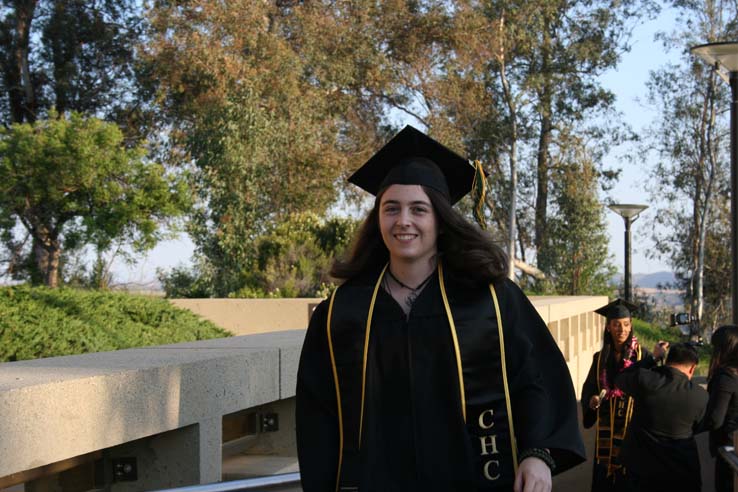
{"type": "Point", "coordinates": [606, 405]}
{"type": "Point", "coordinates": [427, 369]}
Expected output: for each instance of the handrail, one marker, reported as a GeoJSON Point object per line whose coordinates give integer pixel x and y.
{"type": "Point", "coordinates": [257, 483]}
{"type": "Point", "coordinates": [728, 454]}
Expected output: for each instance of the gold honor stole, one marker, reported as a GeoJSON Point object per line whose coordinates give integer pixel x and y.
{"type": "Point", "coordinates": [613, 419]}
{"type": "Point", "coordinates": [484, 396]}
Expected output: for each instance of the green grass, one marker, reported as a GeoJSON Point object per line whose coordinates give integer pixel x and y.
{"type": "Point", "coordinates": [39, 322]}
{"type": "Point", "coordinates": [648, 335]}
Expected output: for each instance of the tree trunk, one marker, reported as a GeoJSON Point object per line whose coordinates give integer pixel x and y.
{"type": "Point", "coordinates": [513, 206]}
{"type": "Point", "coordinates": [41, 257]}
{"type": "Point", "coordinates": [62, 58]}
{"type": "Point", "coordinates": [708, 159]}
{"type": "Point", "coordinates": [542, 165]}
{"type": "Point", "coordinates": [52, 271]}
{"type": "Point", "coordinates": [544, 142]}
{"type": "Point", "coordinates": [21, 93]}
{"type": "Point", "coordinates": [513, 169]}
{"type": "Point", "coordinates": [696, 281]}
{"type": "Point", "coordinates": [47, 253]}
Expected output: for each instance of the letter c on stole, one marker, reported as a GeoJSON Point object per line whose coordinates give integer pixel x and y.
{"type": "Point", "coordinates": [486, 470]}
{"type": "Point", "coordinates": [481, 419]}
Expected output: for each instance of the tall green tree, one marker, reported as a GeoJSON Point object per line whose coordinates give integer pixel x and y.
{"type": "Point", "coordinates": [558, 51]}
{"type": "Point", "coordinates": [71, 181]}
{"type": "Point", "coordinates": [517, 80]}
{"type": "Point", "coordinates": [263, 97]}
{"type": "Point", "coordinates": [576, 258]}
{"type": "Point", "coordinates": [271, 102]}
{"type": "Point", "coordinates": [72, 55]}
{"type": "Point", "coordinates": [690, 140]}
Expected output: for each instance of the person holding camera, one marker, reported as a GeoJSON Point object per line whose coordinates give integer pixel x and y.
{"type": "Point", "coordinates": [660, 452]}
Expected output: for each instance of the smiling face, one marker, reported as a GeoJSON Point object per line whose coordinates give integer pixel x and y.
{"type": "Point", "coordinates": [408, 224]}
{"type": "Point", "coordinates": [619, 329]}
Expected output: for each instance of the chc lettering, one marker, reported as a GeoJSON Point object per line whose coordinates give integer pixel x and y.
{"type": "Point", "coordinates": [489, 446]}
{"type": "Point", "coordinates": [620, 408]}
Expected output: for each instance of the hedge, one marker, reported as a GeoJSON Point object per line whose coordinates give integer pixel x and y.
{"type": "Point", "coordinates": [39, 322]}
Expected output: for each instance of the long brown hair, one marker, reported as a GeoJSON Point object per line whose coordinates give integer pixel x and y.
{"type": "Point", "coordinates": [724, 349]}
{"type": "Point", "coordinates": [469, 254]}
{"type": "Point", "coordinates": [608, 362]}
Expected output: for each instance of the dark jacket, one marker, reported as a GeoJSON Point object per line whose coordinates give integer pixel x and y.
{"type": "Point", "coordinates": [669, 408]}
{"type": "Point", "coordinates": [722, 410]}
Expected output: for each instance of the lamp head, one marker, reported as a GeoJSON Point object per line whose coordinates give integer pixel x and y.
{"type": "Point", "coordinates": [627, 210]}
{"type": "Point", "coordinates": [722, 56]}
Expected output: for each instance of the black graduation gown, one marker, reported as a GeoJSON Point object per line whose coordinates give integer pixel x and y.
{"type": "Point", "coordinates": [590, 387]}
{"type": "Point", "coordinates": [414, 436]}
{"type": "Point", "coordinates": [660, 450]}
{"type": "Point", "coordinates": [601, 482]}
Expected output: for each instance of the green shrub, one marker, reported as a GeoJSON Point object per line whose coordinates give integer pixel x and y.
{"type": "Point", "coordinates": [39, 322]}
{"type": "Point", "coordinates": [291, 259]}
{"type": "Point", "coordinates": [648, 334]}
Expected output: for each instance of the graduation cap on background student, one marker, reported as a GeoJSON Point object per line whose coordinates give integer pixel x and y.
{"type": "Point", "coordinates": [619, 308]}
{"type": "Point", "coordinates": [412, 157]}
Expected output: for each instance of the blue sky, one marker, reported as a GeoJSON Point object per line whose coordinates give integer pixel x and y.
{"type": "Point", "coordinates": [628, 82]}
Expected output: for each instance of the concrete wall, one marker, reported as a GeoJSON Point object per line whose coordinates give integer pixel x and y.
{"type": "Point", "coordinates": [577, 329]}
{"type": "Point", "coordinates": [571, 319]}
{"type": "Point", "coordinates": [248, 316]}
{"type": "Point", "coordinates": [165, 405]}
{"type": "Point", "coordinates": [57, 408]}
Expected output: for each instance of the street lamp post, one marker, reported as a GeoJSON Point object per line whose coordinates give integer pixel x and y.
{"type": "Point", "coordinates": [629, 212]}
{"type": "Point", "coordinates": [724, 58]}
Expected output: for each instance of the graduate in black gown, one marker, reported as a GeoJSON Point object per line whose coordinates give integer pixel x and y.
{"type": "Point", "coordinates": [606, 405]}
{"type": "Point", "coordinates": [427, 369]}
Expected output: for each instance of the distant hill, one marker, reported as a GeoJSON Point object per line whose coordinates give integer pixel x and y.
{"type": "Point", "coordinates": [658, 285]}
{"type": "Point", "coordinates": [648, 280]}
{"type": "Point", "coordinates": [671, 298]}
{"type": "Point", "coordinates": [653, 280]}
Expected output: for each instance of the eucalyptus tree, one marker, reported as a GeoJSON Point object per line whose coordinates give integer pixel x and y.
{"type": "Point", "coordinates": [515, 81]}
{"type": "Point", "coordinates": [690, 140]}
{"type": "Point", "coordinates": [555, 56]}
{"type": "Point", "coordinates": [272, 102]}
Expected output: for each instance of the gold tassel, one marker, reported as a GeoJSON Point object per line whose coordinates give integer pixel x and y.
{"type": "Point", "coordinates": [479, 192]}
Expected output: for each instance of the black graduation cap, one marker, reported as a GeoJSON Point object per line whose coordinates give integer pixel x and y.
{"type": "Point", "coordinates": [619, 308]}
{"type": "Point", "coordinates": [412, 157]}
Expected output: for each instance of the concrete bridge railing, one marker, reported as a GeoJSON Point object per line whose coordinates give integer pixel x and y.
{"type": "Point", "coordinates": [189, 413]}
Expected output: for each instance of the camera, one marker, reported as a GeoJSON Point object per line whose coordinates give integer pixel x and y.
{"type": "Point", "coordinates": [682, 319]}
{"type": "Point", "coordinates": [686, 323]}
